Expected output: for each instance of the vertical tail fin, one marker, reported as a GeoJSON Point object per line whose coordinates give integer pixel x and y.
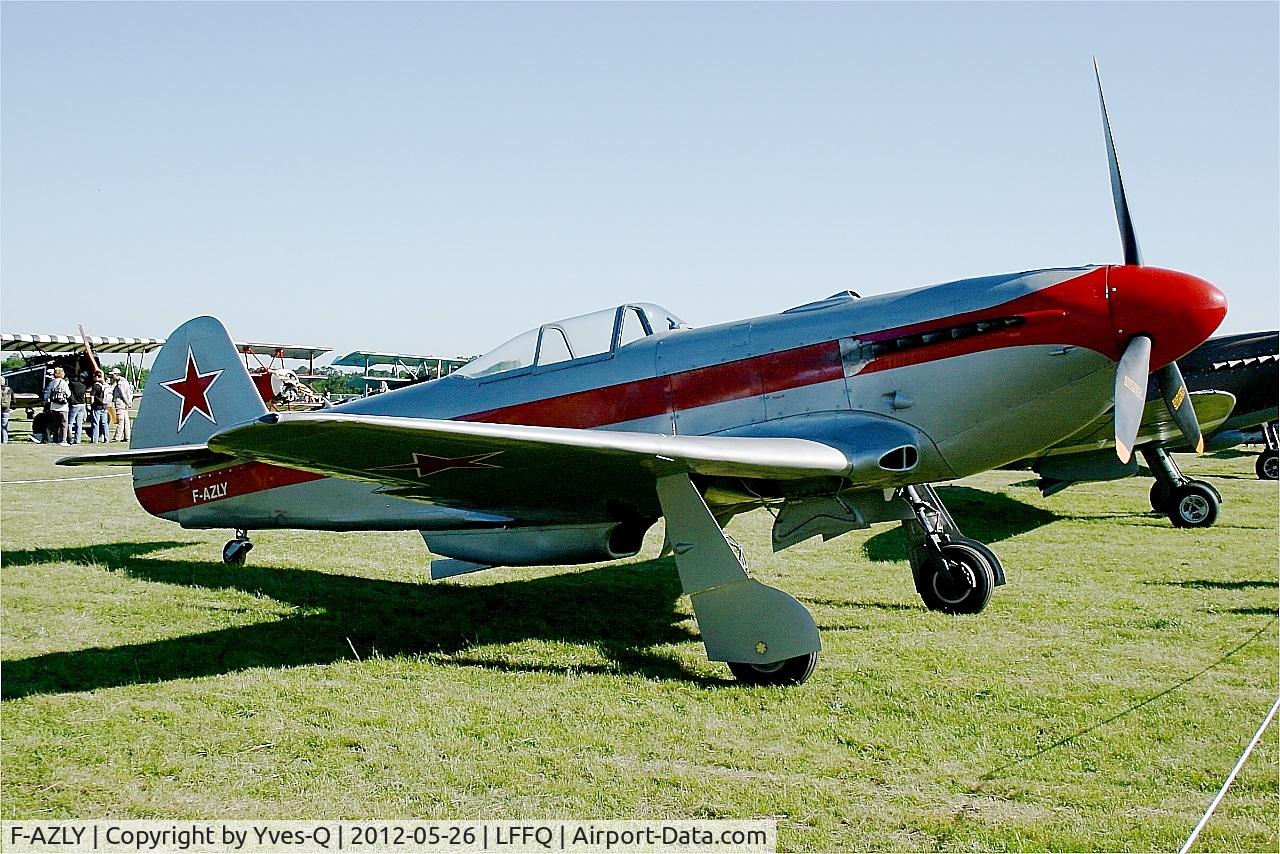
{"type": "Point", "coordinates": [197, 386]}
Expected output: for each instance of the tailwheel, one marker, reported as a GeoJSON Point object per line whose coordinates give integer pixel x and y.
{"type": "Point", "coordinates": [1266, 465]}
{"type": "Point", "coordinates": [236, 551]}
{"type": "Point", "coordinates": [789, 671]}
{"type": "Point", "coordinates": [1194, 504]}
{"type": "Point", "coordinates": [960, 586]}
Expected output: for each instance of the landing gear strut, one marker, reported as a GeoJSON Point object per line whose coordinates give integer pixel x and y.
{"type": "Point", "coordinates": [235, 551]}
{"type": "Point", "coordinates": [953, 573]}
{"type": "Point", "coordinates": [766, 636]}
{"type": "Point", "coordinates": [1267, 466]}
{"type": "Point", "coordinates": [1188, 503]}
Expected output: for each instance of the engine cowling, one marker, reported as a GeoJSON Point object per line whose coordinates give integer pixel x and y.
{"type": "Point", "coordinates": [541, 545]}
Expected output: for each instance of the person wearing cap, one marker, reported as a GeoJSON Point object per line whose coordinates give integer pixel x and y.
{"type": "Point", "coordinates": [121, 400]}
{"type": "Point", "coordinates": [99, 401]}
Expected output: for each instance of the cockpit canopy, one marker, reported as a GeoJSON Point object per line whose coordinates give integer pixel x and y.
{"type": "Point", "coordinates": [597, 334]}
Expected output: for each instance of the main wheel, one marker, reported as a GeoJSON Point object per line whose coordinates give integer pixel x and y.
{"type": "Point", "coordinates": [789, 671]}
{"type": "Point", "coordinates": [1209, 486]}
{"type": "Point", "coordinates": [966, 589]}
{"type": "Point", "coordinates": [235, 552]}
{"type": "Point", "coordinates": [1266, 465]}
{"type": "Point", "coordinates": [1161, 495]}
{"type": "Point", "coordinates": [993, 559]}
{"type": "Point", "coordinates": [1193, 505]}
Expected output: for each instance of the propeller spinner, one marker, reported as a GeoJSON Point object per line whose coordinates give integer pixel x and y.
{"type": "Point", "coordinates": [1134, 366]}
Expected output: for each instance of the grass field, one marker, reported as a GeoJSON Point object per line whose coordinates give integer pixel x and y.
{"type": "Point", "coordinates": [1098, 703]}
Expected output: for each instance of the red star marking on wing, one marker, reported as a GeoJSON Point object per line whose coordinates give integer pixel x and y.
{"type": "Point", "coordinates": [426, 465]}
{"type": "Point", "coordinates": [193, 390]}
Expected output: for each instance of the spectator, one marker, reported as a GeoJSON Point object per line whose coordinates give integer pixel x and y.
{"type": "Point", "coordinates": [59, 394]}
{"type": "Point", "coordinates": [39, 426]}
{"type": "Point", "coordinates": [6, 404]}
{"type": "Point", "coordinates": [99, 399]}
{"type": "Point", "coordinates": [121, 400]}
{"type": "Point", "coordinates": [75, 416]}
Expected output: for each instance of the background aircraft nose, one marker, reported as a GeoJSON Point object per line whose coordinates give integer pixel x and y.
{"type": "Point", "coordinates": [1176, 310]}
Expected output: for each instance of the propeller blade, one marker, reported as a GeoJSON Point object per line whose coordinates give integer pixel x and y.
{"type": "Point", "coordinates": [1132, 255]}
{"type": "Point", "coordinates": [1131, 394]}
{"type": "Point", "coordinates": [1174, 389]}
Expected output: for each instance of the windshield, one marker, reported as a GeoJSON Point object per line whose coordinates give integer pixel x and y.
{"type": "Point", "coordinates": [594, 334]}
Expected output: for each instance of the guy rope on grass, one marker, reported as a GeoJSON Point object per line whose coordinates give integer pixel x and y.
{"type": "Point", "coordinates": [1018, 760]}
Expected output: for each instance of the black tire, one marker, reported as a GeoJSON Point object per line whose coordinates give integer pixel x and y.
{"type": "Point", "coordinates": [1267, 466]}
{"type": "Point", "coordinates": [1209, 486]}
{"type": "Point", "coordinates": [235, 552]}
{"type": "Point", "coordinates": [941, 593]}
{"type": "Point", "coordinates": [1193, 505]}
{"type": "Point", "coordinates": [1161, 495]}
{"type": "Point", "coordinates": [790, 671]}
{"type": "Point", "coordinates": [993, 559]}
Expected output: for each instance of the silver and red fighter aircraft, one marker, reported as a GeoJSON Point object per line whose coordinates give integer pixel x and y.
{"type": "Point", "coordinates": [568, 442]}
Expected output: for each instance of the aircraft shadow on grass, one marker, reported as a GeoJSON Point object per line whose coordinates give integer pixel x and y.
{"type": "Point", "coordinates": [1216, 584]}
{"type": "Point", "coordinates": [986, 516]}
{"type": "Point", "coordinates": [622, 611]}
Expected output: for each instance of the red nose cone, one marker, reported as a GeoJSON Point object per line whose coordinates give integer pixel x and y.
{"type": "Point", "coordinates": [1177, 311]}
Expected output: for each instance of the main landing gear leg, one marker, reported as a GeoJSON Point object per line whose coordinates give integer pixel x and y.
{"type": "Point", "coordinates": [235, 551]}
{"type": "Point", "coordinates": [766, 636]}
{"type": "Point", "coordinates": [1188, 503]}
{"type": "Point", "coordinates": [1267, 466]}
{"type": "Point", "coordinates": [953, 573]}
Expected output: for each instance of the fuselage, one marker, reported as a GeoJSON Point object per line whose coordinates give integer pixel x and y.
{"type": "Point", "coordinates": [987, 370]}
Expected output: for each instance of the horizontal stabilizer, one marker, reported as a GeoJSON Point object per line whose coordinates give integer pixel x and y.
{"type": "Point", "coordinates": [191, 455]}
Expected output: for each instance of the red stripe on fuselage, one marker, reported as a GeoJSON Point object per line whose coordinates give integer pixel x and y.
{"type": "Point", "coordinates": [653, 396]}
{"type": "Point", "coordinates": [230, 482]}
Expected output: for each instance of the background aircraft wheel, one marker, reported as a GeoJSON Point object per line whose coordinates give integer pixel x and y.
{"type": "Point", "coordinates": [790, 671]}
{"type": "Point", "coordinates": [235, 552]}
{"type": "Point", "coordinates": [1193, 505]}
{"type": "Point", "coordinates": [1266, 465]}
{"type": "Point", "coordinates": [1161, 495]}
{"type": "Point", "coordinates": [965, 590]}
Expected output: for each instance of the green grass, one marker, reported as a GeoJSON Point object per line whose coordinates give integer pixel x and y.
{"type": "Point", "coordinates": [1098, 702]}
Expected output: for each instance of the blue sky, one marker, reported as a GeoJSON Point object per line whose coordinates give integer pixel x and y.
{"type": "Point", "coordinates": [431, 178]}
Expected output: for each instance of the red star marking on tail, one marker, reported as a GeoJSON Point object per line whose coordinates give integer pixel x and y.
{"type": "Point", "coordinates": [193, 390]}
{"type": "Point", "coordinates": [426, 465]}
